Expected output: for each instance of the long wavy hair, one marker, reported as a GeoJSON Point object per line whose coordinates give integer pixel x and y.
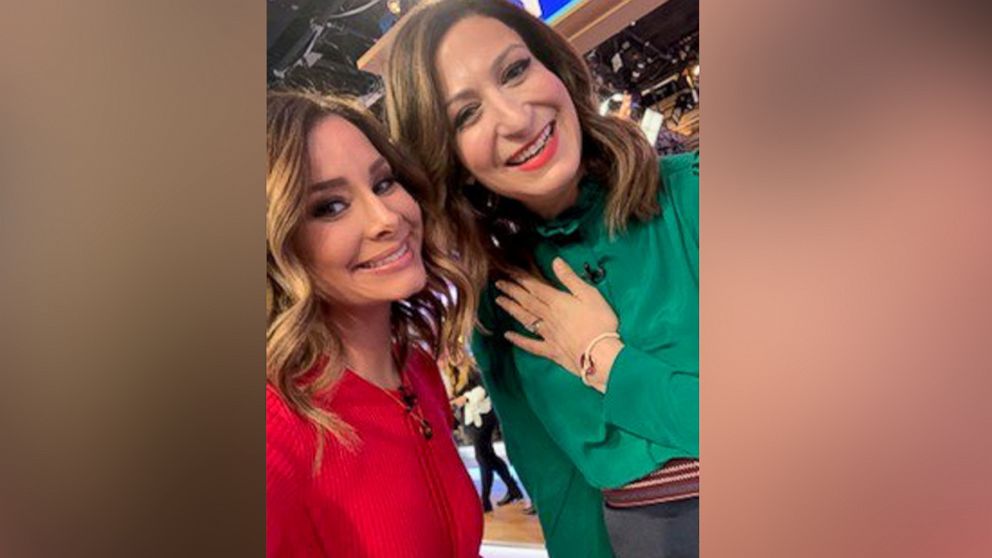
{"type": "Point", "coordinates": [303, 352]}
{"type": "Point", "coordinates": [494, 236]}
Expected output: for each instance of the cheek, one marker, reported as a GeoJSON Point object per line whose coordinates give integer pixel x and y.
{"type": "Point", "coordinates": [567, 105]}
{"type": "Point", "coordinates": [475, 151]}
{"type": "Point", "coordinates": [557, 93]}
{"type": "Point", "coordinates": [574, 117]}
{"type": "Point", "coordinates": [408, 207]}
{"type": "Point", "coordinates": [328, 249]}
{"type": "Point", "coordinates": [570, 118]}
{"type": "Point", "coordinates": [549, 87]}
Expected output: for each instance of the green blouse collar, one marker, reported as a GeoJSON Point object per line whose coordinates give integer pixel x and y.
{"type": "Point", "coordinates": [591, 194]}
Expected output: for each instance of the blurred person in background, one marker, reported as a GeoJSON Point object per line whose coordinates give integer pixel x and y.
{"type": "Point", "coordinates": [480, 425]}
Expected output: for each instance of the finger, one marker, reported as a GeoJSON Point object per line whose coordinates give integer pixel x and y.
{"type": "Point", "coordinates": [543, 291]}
{"type": "Point", "coordinates": [525, 298]}
{"type": "Point", "coordinates": [519, 313]}
{"type": "Point", "coordinates": [537, 347]}
{"type": "Point", "coordinates": [569, 278]}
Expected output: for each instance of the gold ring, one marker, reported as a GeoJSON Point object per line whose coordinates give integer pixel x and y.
{"type": "Point", "coordinates": [534, 325]}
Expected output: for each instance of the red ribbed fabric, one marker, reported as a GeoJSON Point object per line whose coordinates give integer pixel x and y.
{"type": "Point", "coordinates": [398, 495]}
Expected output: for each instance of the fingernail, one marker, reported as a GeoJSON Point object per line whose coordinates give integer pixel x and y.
{"type": "Point", "coordinates": [501, 285]}
{"type": "Point", "coordinates": [558, 262]}
{"type": "Point", "coordinates": [500, 300]}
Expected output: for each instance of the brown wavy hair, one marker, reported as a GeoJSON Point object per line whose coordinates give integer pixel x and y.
{"type": "Point", "coordinates": [492, 235]}
{"type": "Point", "coordinates": [303, 352]}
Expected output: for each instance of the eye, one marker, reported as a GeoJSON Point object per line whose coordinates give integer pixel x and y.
{"type": "Point", "coordinates": [384, 186]}
{"type": "Point", "coordinates": [516, 70]}
{"type": "Point", "coordinates": [465, 115]}
{"type": "Point", "coordinates": [328, 209]}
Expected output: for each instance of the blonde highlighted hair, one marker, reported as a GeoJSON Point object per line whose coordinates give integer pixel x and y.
{"type": "Point", "coordinates": [492, 235]}
{"type": "Point", "coordinates": [303, 352]}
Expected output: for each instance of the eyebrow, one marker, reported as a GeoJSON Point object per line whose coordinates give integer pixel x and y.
{"type": "Point", "coordinates": [338, 182]}
{"type": "Point", "coordinates": [497, 62]}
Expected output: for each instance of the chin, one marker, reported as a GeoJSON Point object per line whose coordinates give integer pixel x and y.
{"type": "Point", "coordinates": [416, 282]}
{"type": "Point", "coordinates": [557, 183]}
{"type": "Point", "coordinates": [420, 284]}
{"type": "Point", "coordinates": [554, 182]}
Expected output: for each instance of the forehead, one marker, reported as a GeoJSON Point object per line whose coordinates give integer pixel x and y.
{"type": "Point", "coordinates": [337, 148]}
{"type": "Point", "coordinates": [468, 49]}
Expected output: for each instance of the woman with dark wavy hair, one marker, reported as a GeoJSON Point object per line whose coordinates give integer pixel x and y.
{"type": "Point", "coordinates": [594, 375]}
{"type": "Point", "coordinates": [359, 460]}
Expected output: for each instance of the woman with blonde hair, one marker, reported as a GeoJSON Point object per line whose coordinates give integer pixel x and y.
{"type": "Point", "coordinates": [475, 408]}
{"type": "Point", "coordinates": [594, 375]}
{"type": "Point", "coordinates": [359, 461]}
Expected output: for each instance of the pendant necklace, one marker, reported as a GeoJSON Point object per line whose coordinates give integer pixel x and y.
{"type": "Point", "coordinates": [408, 404]}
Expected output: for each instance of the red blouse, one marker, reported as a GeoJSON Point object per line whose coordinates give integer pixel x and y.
{"type": "Point", "coordinates": [398, 494]}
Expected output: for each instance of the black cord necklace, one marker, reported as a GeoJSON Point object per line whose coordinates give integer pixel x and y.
{"type": "Point", "coordinates": [408, 403]}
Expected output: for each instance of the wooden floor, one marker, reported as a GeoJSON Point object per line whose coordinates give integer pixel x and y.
{"type": "Point", "coordinates": [509, 524]}
{"type": "Point", "coordinates": [505, 525]}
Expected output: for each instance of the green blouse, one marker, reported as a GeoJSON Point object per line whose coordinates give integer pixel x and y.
{"type": "Point", "coordinates": [568, 441]}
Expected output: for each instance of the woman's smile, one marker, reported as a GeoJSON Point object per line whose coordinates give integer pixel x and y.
{"type": "Point", "coordinates": [391, 260]}
{"type": "Point", "coordinates": [538, 152]}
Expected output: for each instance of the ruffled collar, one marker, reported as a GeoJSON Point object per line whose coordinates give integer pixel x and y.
{"type": "Point", "coordinates": [568, 222]}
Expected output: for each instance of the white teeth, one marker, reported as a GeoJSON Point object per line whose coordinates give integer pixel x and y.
{"type": "Point", "coordinates": [534, 149]}
{"type": "Point", "coordinates": [388, 259]}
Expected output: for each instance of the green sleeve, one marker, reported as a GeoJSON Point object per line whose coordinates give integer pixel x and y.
{"type": "Point", "coordinates": [646, 396]}
{"type": "Point", "coordinates": [654, 400]}
{"type": "Point", "coordinates": [680, 176]}
{"type": "Point", "coordinates": [569, 509]}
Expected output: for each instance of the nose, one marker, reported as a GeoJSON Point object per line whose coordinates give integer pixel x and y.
{"type": "Point", "coordinates": [382, 222]}
{"type": "Point", "coordinates": [513, 115]}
